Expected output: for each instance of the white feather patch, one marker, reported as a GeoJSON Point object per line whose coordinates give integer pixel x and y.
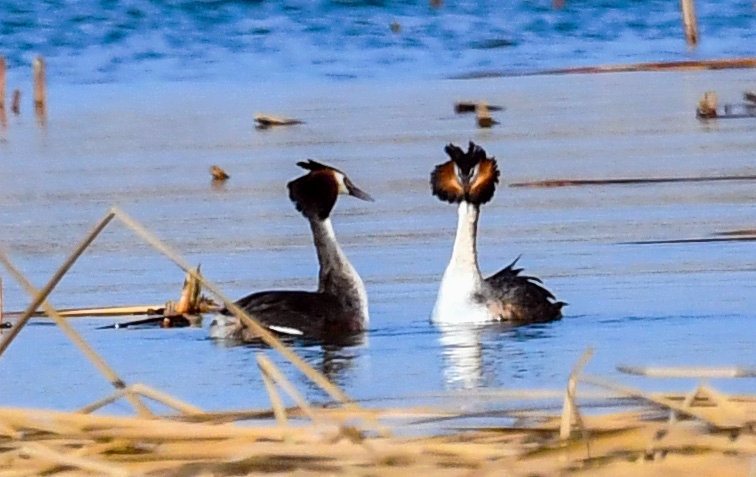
{"type": "Point", "coordinates": [285, 330]}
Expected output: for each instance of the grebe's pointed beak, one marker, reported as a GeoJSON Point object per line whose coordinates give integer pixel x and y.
{"type": "Point", "coordinates": [355, 191]}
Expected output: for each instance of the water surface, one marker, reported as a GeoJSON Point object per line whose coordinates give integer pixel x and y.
{"type": "Point", "coordinates": [148, 150]}
{"type": "Point", "coordinates": [95, 41]}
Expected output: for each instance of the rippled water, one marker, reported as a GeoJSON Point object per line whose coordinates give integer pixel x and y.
{"type": "Point", "coordinates": [149, 150]}
{"type": "Point", "coordinates": [104, 41]}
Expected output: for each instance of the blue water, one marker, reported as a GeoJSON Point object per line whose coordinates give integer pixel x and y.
{"type": "Point", "coordinates": [148, 150]}
{"type": "Point", "coordinates": [107, 41]}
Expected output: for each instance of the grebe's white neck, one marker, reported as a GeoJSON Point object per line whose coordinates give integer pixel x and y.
{"type": "Point", "coordinates": [337, 276]}
{"type": "Point", "coordinates": [462, 278]}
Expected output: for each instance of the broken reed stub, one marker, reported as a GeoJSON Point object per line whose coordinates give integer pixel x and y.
{"type": "Point", "coordinates": [461, 107]}
{"type": "Point", "coordinates": [218, 174]}
{"type": "Point", "coordinates": [2, 82]}
{"type": "Point", "coordinates": [690, 22]}
{"type": "Point", "coordinates": [16, 102]}
{"type": "Point", "coordinates": [707, 106]}
{"type": "Point", "coordinates": [264, 121]}
{"type": "Point", "coordinates": [40, 93]}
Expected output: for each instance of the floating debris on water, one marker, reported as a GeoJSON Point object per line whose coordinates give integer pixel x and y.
{"type": "Point", "coordinates": [707, 106]}
{"type": "Point", "coordinates": [218, 174]}
{"type": "Point", "coordinates": [653, 180]}
{"type": "Point", "coordinates": [461, 107]}
{"type": "Point", "coordinates": [484, 118]}
{"type": "Point", "coordinates": [265, 121]}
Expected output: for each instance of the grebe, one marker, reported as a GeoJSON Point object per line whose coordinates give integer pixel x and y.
{"type": "Point", "coordinates": [470, 179]}
{"type": "Point", "coordinates": [339, 307]}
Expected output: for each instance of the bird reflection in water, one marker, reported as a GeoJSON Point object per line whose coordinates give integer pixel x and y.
{"type": "Point", "coordinates": [333, 358]}
{"type": "Point", "coordinates": [473, 356]}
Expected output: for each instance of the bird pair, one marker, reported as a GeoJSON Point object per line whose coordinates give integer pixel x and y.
{"type": "Point", "coordinates": [339, 307]}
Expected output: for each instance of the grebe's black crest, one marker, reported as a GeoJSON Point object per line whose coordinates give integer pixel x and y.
{"type": "Point", "coordinates": [315, 193]}
{"type": "Point", "coordinates": [470, 176]}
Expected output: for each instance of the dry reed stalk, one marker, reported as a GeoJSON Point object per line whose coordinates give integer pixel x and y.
{"type": "Point", "coordinates": [190, 294]}
{"type": "Point", "coordinates": [92, 426]}
{"type": "Point", "coordinates": [166, 399]}
{"type": "Point", "coordinates": [713, 418]}
{"type": "Point", "coordinates": [690, 22]}
{"type": "Point", "coordinates": [570, 411]}
{"type": "Point", "coordinates": [57, 276]}
{"type": "Point", "coordinates": [69, 331]}
{"type": "Point", "coordinates": [100, 403]}
{"type": "Point", "coordinates": [700, 372]}
{"type": "Point", "coordinates": [45, 453]}
{"type": "Point", "coordinates": [279, 411]}
{"type": "Point", "coordinates": [8, 431]}
{"type": "Point", "coordinates": [722, 402]}
{"type": "Point", "coordinates": [40, 87]}
{"type": "Point", "coordinates": [212, 417]}
{"type": "Point", "coordinates": [270, 369]}
{"type": "Point", "coordinates": [87, 449]}
{"type": "Point", "coordinates": [107, 311]}
{"type": "Point", "coordinates": [192, 449]}
{"type": "Point", "coordinates": [3, 68]}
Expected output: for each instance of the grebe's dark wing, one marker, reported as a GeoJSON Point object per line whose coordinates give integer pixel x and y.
{"type": "Point", "coordinates": [525, 293]}
{"type": "Point", "coordinates": [297, 313]}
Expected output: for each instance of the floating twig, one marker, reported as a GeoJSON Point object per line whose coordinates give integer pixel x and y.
{"type": "Point", "coordinates": [264, 121]}
{"type": "Point", "coordinates": [737, 232]}
{"type": "Point", "coordinates": [652, 180]}
{"type": "Point", "coordinates": [699, 372]}
{"type": "Point", "coordinates": [690, 240]}
{"type": "Point", "coordinates": [461, 107]}
{"type": "Point", "coordinates": [620, 68]}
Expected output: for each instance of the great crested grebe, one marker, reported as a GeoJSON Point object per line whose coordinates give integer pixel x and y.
{"type": "Point", "coordinates": [469, 179]}
{"type": "Point", "coordinates": [339, 307]}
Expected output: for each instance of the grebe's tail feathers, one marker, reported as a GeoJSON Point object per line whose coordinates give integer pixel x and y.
{"type": "Point", "coordinates": [312, 165]}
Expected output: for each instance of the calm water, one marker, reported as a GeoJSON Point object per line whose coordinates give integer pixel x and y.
{"type": "Point", "coordinates": [148, 150]}
{"type": "Point", "coordinates": [107, 41]}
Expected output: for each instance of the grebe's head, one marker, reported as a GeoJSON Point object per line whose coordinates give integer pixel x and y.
{"type": "Point", "coordinates": [469, 176]}
{"type": "Point", "coordinates": [315, 193]}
